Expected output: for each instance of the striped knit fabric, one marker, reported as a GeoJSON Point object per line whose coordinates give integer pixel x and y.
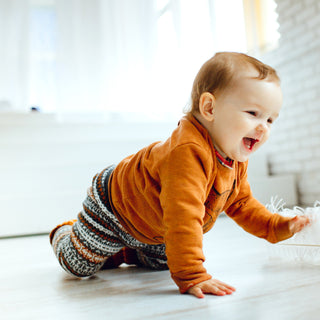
{"type": "Point", "coordinates": [97, 240]}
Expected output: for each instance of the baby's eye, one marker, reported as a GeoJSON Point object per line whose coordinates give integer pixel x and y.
{"type": "Point", "coordinates": [253, 113]}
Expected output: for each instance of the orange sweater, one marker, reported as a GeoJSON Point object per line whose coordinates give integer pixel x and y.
{"type": "Point", "coordinates": [172, 192]}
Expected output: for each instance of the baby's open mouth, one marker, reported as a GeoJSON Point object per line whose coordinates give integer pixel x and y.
{"type": "Point", "coordinates": [249, 142]}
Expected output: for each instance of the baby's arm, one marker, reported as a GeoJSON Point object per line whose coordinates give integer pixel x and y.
{"type": "Point", "coordinates": [212, 286]}
{"type": "Point", "coordinates": [216, 287]}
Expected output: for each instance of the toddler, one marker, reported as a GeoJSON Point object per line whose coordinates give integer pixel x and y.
{"type": "Point", "coordinates": [153, 208]}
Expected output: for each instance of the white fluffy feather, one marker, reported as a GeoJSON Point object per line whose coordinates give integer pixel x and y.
{"type": "Point", "coordinates": [304, 246]}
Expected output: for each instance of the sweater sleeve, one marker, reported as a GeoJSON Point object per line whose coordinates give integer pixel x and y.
{"type": "Point", "coordinates": [254, 217]}
{"type": "Point", "coordinates": [183, 193]}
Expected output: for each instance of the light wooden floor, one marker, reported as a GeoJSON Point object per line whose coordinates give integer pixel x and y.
{"type": "Point", "coordinates": [34, 287]}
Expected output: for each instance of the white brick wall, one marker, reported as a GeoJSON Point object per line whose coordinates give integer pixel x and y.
{"type": "Point", "coordinates": [295, 143]}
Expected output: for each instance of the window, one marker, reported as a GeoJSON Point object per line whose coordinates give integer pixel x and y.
{"type": "Point", "coordinates": [42, 63]}
{"type": "Point", "coordinates": [261, 25]}
{"type": "Point", "coordinates": [187, 33]}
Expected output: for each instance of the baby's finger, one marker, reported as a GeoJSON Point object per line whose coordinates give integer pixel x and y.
{"type": "Point", "coordinates": [215, 288]}
{"type": "Point", "coordinates": [297, 224]}
{"type": "Point", "coordinates": [197, 292]}
{"type": "Point", "coordinates": [306, 221]}
{"type": "Point", "coordinates": [225, 285]}
{"type": "Point", "coordinates": [224, 290]}
{"type": "Point", "coordinates": [303, 222]}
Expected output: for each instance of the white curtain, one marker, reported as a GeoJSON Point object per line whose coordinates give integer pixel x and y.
{"type": "Point", "coordinates": [128, 57]}
{"type": "Point", "coordinates": [104, 51]}
{"type": "Point", "coordinates": [108, 57]}
{"type": "Point", "coordinates": [14, 45]}
{"type": "Point", "coordinates": [78, 55]}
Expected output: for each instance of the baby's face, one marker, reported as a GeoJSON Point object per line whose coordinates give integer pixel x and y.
{"type": "Point", "coordinates": [243, 116]}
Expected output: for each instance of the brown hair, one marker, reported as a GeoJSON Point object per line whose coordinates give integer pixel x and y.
{"type": "Point", "coordinates": [218, 72]}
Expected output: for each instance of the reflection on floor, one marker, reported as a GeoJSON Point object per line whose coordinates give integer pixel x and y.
{"type": "Point", "coordinates": [33, 286]}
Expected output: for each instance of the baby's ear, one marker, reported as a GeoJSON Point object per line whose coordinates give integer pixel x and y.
{"type": "Point", "coordinates": [207, 105]}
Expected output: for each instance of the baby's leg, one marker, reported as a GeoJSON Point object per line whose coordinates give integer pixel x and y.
{"type": "Point", "coordinates": [82, 246]}
{"type": "Point", "coordinates": [79, 251]}
{"type": "Point", "coordinates": [149, 257]}
{"type": "Point", "coordinates": [153, 256]}
{"type": "Point", "coordinates": [125, 255]}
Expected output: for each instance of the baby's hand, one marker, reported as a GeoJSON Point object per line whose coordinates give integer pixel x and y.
{"type": "Point", "coordinates": [297, 223]}
{"type": "Point", "coordinates": [212, 286]}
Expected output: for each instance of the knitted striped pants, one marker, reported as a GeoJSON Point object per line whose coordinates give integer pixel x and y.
{"type": "Point", "coordinates": [96, 240]}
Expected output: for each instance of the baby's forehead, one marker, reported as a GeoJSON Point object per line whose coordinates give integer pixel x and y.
{"type": "Point", "coordinates": [241, 78]}
{"type": "Point", "coordinates": [247, 86]}
{"type": "Point", "coordinates": [246, 72]}
{"type": "Point", "coordinates": [249, 74]}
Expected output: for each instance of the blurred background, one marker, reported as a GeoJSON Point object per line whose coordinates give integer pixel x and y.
{"type": "Point", "coordinates": [84, 83]}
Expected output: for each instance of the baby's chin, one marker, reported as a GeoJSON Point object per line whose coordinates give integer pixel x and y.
{"type": "Point", "coordinates": [242, 155]}
{"type": "Point", "coordinates": [240, 158]}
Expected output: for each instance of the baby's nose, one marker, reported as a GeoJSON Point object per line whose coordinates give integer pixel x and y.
{"type": "Point", "coordinates": [262, 127]}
